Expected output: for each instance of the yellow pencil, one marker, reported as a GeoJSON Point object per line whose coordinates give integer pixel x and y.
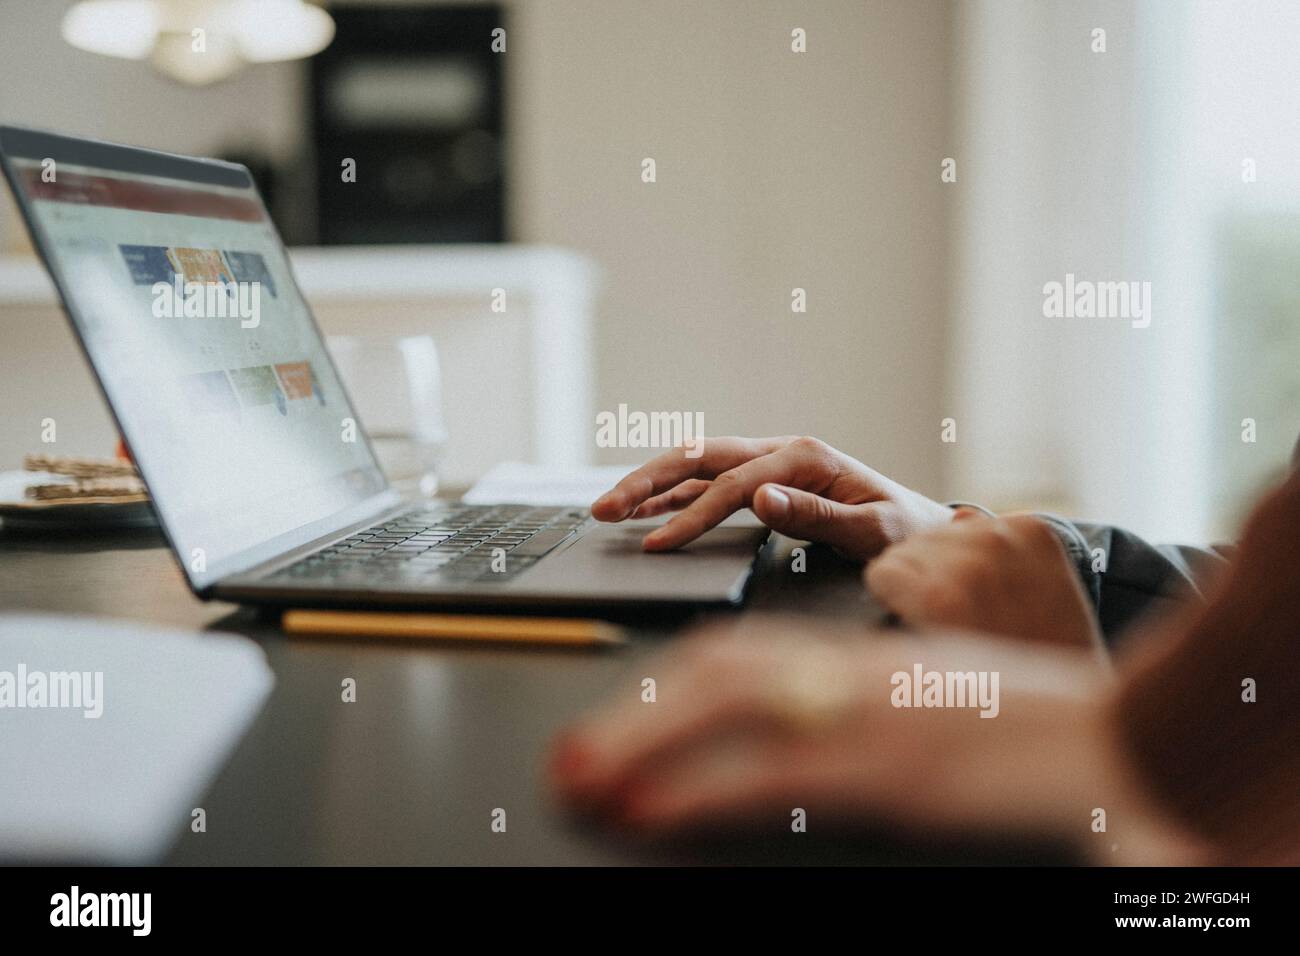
{"type": "Point", "coordinates": [469, 627]}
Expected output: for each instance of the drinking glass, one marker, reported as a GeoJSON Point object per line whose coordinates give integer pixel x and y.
{"type": "Point", "coordinates": [396, 387]}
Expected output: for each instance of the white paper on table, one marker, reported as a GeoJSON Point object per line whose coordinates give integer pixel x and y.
{"type": "Point", "coordinates": [120, 787]}
{"type": "Point", "coordinates": [516, 482]}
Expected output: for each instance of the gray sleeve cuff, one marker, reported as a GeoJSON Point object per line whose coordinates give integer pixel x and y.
{"type": "Point", "coordinates": [1076, 546]}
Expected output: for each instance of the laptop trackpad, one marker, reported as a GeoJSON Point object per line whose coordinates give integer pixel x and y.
{"type": "Point", "coordinates": [609, 562]}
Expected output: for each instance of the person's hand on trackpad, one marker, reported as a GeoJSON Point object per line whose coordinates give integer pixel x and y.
{"type": "Point", "coordinates": [801, 487]}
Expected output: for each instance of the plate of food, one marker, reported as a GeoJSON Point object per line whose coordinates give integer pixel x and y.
{"type": "Point", "coordinates": [60, 491]}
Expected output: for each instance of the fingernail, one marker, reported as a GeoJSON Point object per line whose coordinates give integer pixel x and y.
{"type": "Point", "coordinates": [606, 501]}
{"type": "Point", "coordinates": [778, 502]}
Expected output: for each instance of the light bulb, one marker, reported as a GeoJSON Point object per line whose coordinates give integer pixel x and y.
{"type": "Point", "coordinates": [268, 30]}
{"type": "Point", "coordinates": [124, 28]}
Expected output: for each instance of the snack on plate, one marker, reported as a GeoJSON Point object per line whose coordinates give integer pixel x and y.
{"type": "Point", "coordinates": [75, 467]}
{"type": "Point", "coordinates": [127, 486]}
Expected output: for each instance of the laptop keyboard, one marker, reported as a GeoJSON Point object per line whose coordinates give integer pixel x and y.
{"type": "Point", "coordinates": [488, 543]}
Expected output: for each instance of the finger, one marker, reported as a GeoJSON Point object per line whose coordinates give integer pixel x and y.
{"type": "Point", "coordinates": [842, 770]}
{"type": "Point", "coordinates": [673, 500]}
{"type": "Point", "coordinates": [715, 682]}
{"type": "Point", "coordinates": [673, 467]}
{"type": "Point", "coordinates": [812, 466]}
{"type": "Point", "coordinates": [726, 779]}
{"type": "Point", "coordinates": [853, 530]}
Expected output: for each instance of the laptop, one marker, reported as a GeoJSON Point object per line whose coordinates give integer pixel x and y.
{"type": "Point", "coordinates": [266, 486]}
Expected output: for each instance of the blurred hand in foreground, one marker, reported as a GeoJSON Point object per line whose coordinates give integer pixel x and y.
{"type": "Point", "coordinates": [749, 725]}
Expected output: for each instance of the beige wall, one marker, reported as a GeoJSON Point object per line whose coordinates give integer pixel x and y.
{"type": "Point", "coordinates": [775, 170]}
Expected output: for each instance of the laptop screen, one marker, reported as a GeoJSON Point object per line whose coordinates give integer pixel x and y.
{"type": "Point", "coordinates": [182, 296]}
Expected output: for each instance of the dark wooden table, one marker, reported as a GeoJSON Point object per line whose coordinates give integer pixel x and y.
{"type": "Point", "coordinates": [440, 735]}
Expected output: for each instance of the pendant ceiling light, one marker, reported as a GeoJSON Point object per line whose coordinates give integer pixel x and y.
{"type": "Point", "coordinates": [199, 41]}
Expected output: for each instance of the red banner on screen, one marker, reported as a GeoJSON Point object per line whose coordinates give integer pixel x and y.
{"type": "Point", "coordinates": [147, 197]}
